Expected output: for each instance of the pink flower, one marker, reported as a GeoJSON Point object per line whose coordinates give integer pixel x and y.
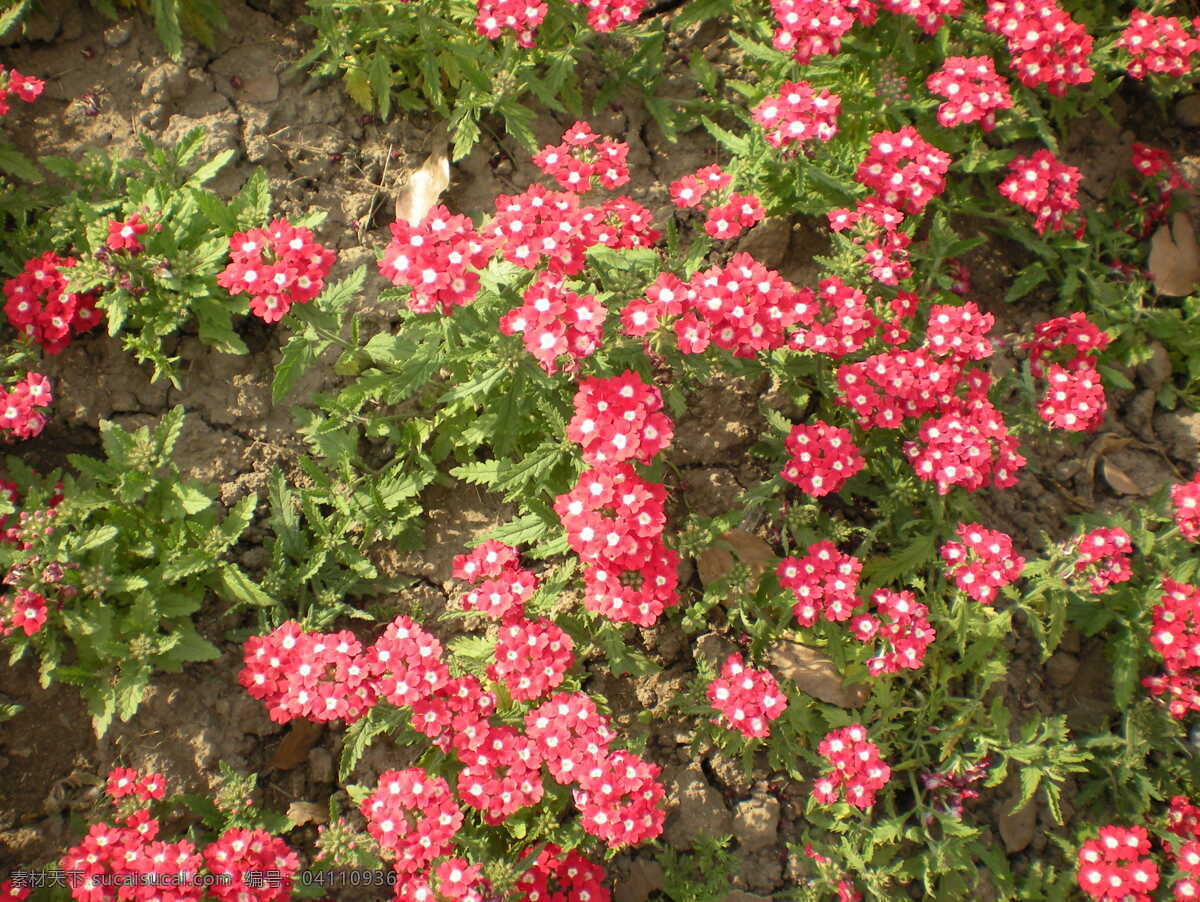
{"type": "Point", "coordinates": [823, 458]}
{"type": "Point", "coordinates": [747, 699]}
{"type": "Point", "coordinates": [973, 90]}
{"type": "Point", "coordinates": [796, 115]}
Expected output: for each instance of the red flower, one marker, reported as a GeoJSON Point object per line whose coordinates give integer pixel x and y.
{"type": "Point", "coordinates": [124, 235]}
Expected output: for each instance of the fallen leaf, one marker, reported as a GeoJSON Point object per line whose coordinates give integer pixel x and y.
{"type": "Point", "coordinates": [293, 749]}
{"type": "Point", "coordinates": [424, 187]}
{"type": "Point", "coordinates": [715, 563]}
{"type": "Point", "coordinates": [301, 813]}
{"type": "Point", "coordinates": [815, 674]}
{"type": "Point", "coordinates": [1118, 479]}
{"type": "Point", "coordinates": [1175, 257]}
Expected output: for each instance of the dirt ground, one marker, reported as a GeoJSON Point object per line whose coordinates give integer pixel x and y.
{"type": "Point", "coordinates": [322, 153]}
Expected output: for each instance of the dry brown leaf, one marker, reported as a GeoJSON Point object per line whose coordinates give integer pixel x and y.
{"type": "Point", "coordinates": [815, 674]}
{"type": "Point", "coordinates": [424, 187]}
{"type": "Point", "coordinates": [1175, 257]}
{"type": "Point", "coordinates": [293, 749]}
{"type": "Point", "coordinates": [715, 563]}
{"type": "Point", "coordinates": [1118, 479]}
{"type": "Point", "coordinates": [301, 813]}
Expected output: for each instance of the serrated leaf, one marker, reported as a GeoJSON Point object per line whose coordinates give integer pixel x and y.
{"type": "Point", "coordinates": [338, 295]}
{"type": "Point", "coordinates": [731, 142]}
{"type": "Point", "coordinates": [209, 169]}
{"type": "Point", "coordinates": [97, 538]}
{"type": "Point", "coordinates": [482, 472]}
{"type": "Point", "coordinates": [358, 86]}
{"type": "Point", "coordinates": [17, 164]}
{"type": "Point", "coordinates": [1028, 279]}
{"type": "Point", "coordinates": [238, 587]}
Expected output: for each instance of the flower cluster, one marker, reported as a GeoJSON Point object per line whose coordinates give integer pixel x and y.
{"type": "Point", "coordinates": [1103, 555]}
{"type": "Point", "coordinates": [973, 91]}
{"type": "Point", "coordinates": [835, 321]}
{"type": "Point", "coordinates": [555, 874]}
{"type": "Point", "coordinates": [1047, 46]}
{"type": "Point", "coordinates": [1183, 817]}
{"type": "Point", "coordinates": [741, 307]}
{"type": "Point", "coordinates": [317, 676]}
{"type": "Point", "coordinates": [1185, 501]}
{"type": "Point", "coordinates": [129, 860]}
{"type": "Point", "coordinates": [810, 28]}
{"type": "Point", "coordinates": [520, 17]}
{"type": "Point", "coordinates": [620, 800]}
{"type": "Point", "coordinates": [983, 562]}
{"type": "Point", "coordinates": [605, 15]}
{"type": "Point", "coordinates": [747, 699]}
{"type": "Point", "coordinates": [19, 407]}
{"type": "Point", "coordinates": [242, 857]}
{"type": "Point", "coordinates": [531, 657]}
{"type": "Point", "coordinates": [846, 890]}
{"type": "Point", "coordinates": [1045, 186]}
{"type": "Point", "coordinates": [24, 87]}
{"type": "Point", "coordinates": [277, 266]}
{"type": "Point", "coordinates": [40, 307]}
{"type": "Point", "coordinates": [619, 419]}
{"type": "Point", "coordinates": [824, 582]}
{"type": "Point", "coordinates": [856, 768]}
{"type": "Point", "coordinates": [1074, 398]}
{"type": "Point", "coordinates": [436, 259]}
{"type": "Point", "coordinates": [571, 735]}
{"type": "Point", "coordinates": [1156, 165]}
{"type": "Point", "coordinates": [24, 610]}
{"type": "Point", "coordinates": [413, 817]}
{"type": "Point", "coordinates": [554, 322]}
{"type": "Point", "coordinates": [1175, 635]}
{"type": "Point", "coordinates": [904, 170]}
{"type": "Point", "coordinates": [948, 791]}
{"type": "Point", "coordinates": [614, 519]}
{"type": "Point", "coordinates": [797, 114]}
{"type": "Point", "coordinates": [1114, 866]}
{"type": "Point", "coordinates": [1158, 44]}
{"type": "Point", "coordinates": [687, 192]}
{"type": "Point", "coordinates": [968, 445]}
{"type": "Point", "coordinates": [823, 458]}
{"type": "Point", "coordinates": [583, 158]}
{"type": "Point", "coordinates": [906, 631]}
{"type": "Point", "coordinates": [930, 14]}
{"type": "Point", "coordinates": [726, 218]}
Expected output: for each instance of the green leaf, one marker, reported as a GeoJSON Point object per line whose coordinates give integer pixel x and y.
{"type": "Point", "coordinates": [170, 427]}
{"type": "Point", "coordinates": [17, 164]}
{"type": "Point", "coordinates": [11, 16]}
{"type": "Point", "coordinates": [186, 564]}
{"type": "Point", "coordinates": [208, 170]}
{"type": "Point", "coordinates": [97, 538]}
{"type": "Point", "coordinates": [1028, 279]}
{"type": "Point", "coordinates": [166, 21]}
{"type": "Point", "coordinates": [358, 86]}
{"type": "Point", "coordinates": [338, 295]}
{"type": "Point", "coordinates": [380, 719]}
{"type": "Point", "coordinates": [731, 142]}
{"type": "Point", "coordinates": [214, 210]}
{"type": "Point", "coordinates": [238, 587]}
{"type": "Point", "coordinates": [191, 498]}
{"type": "Point", "coordinates": [521, 530]}
{"type": "Point", "coordinates": [483, 472]}
{"type": "Point", "coordinates": [379, 75]}
{"type": "Point", "coordinates": [477, 386]}
{"type": "Point", "coordinates": [298, 355]}
{"type": "Point", "coordinates": [131, 687]}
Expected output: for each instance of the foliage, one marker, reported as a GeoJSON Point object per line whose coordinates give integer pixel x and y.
{"type": "Point", "coordinates": [133, 552]}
